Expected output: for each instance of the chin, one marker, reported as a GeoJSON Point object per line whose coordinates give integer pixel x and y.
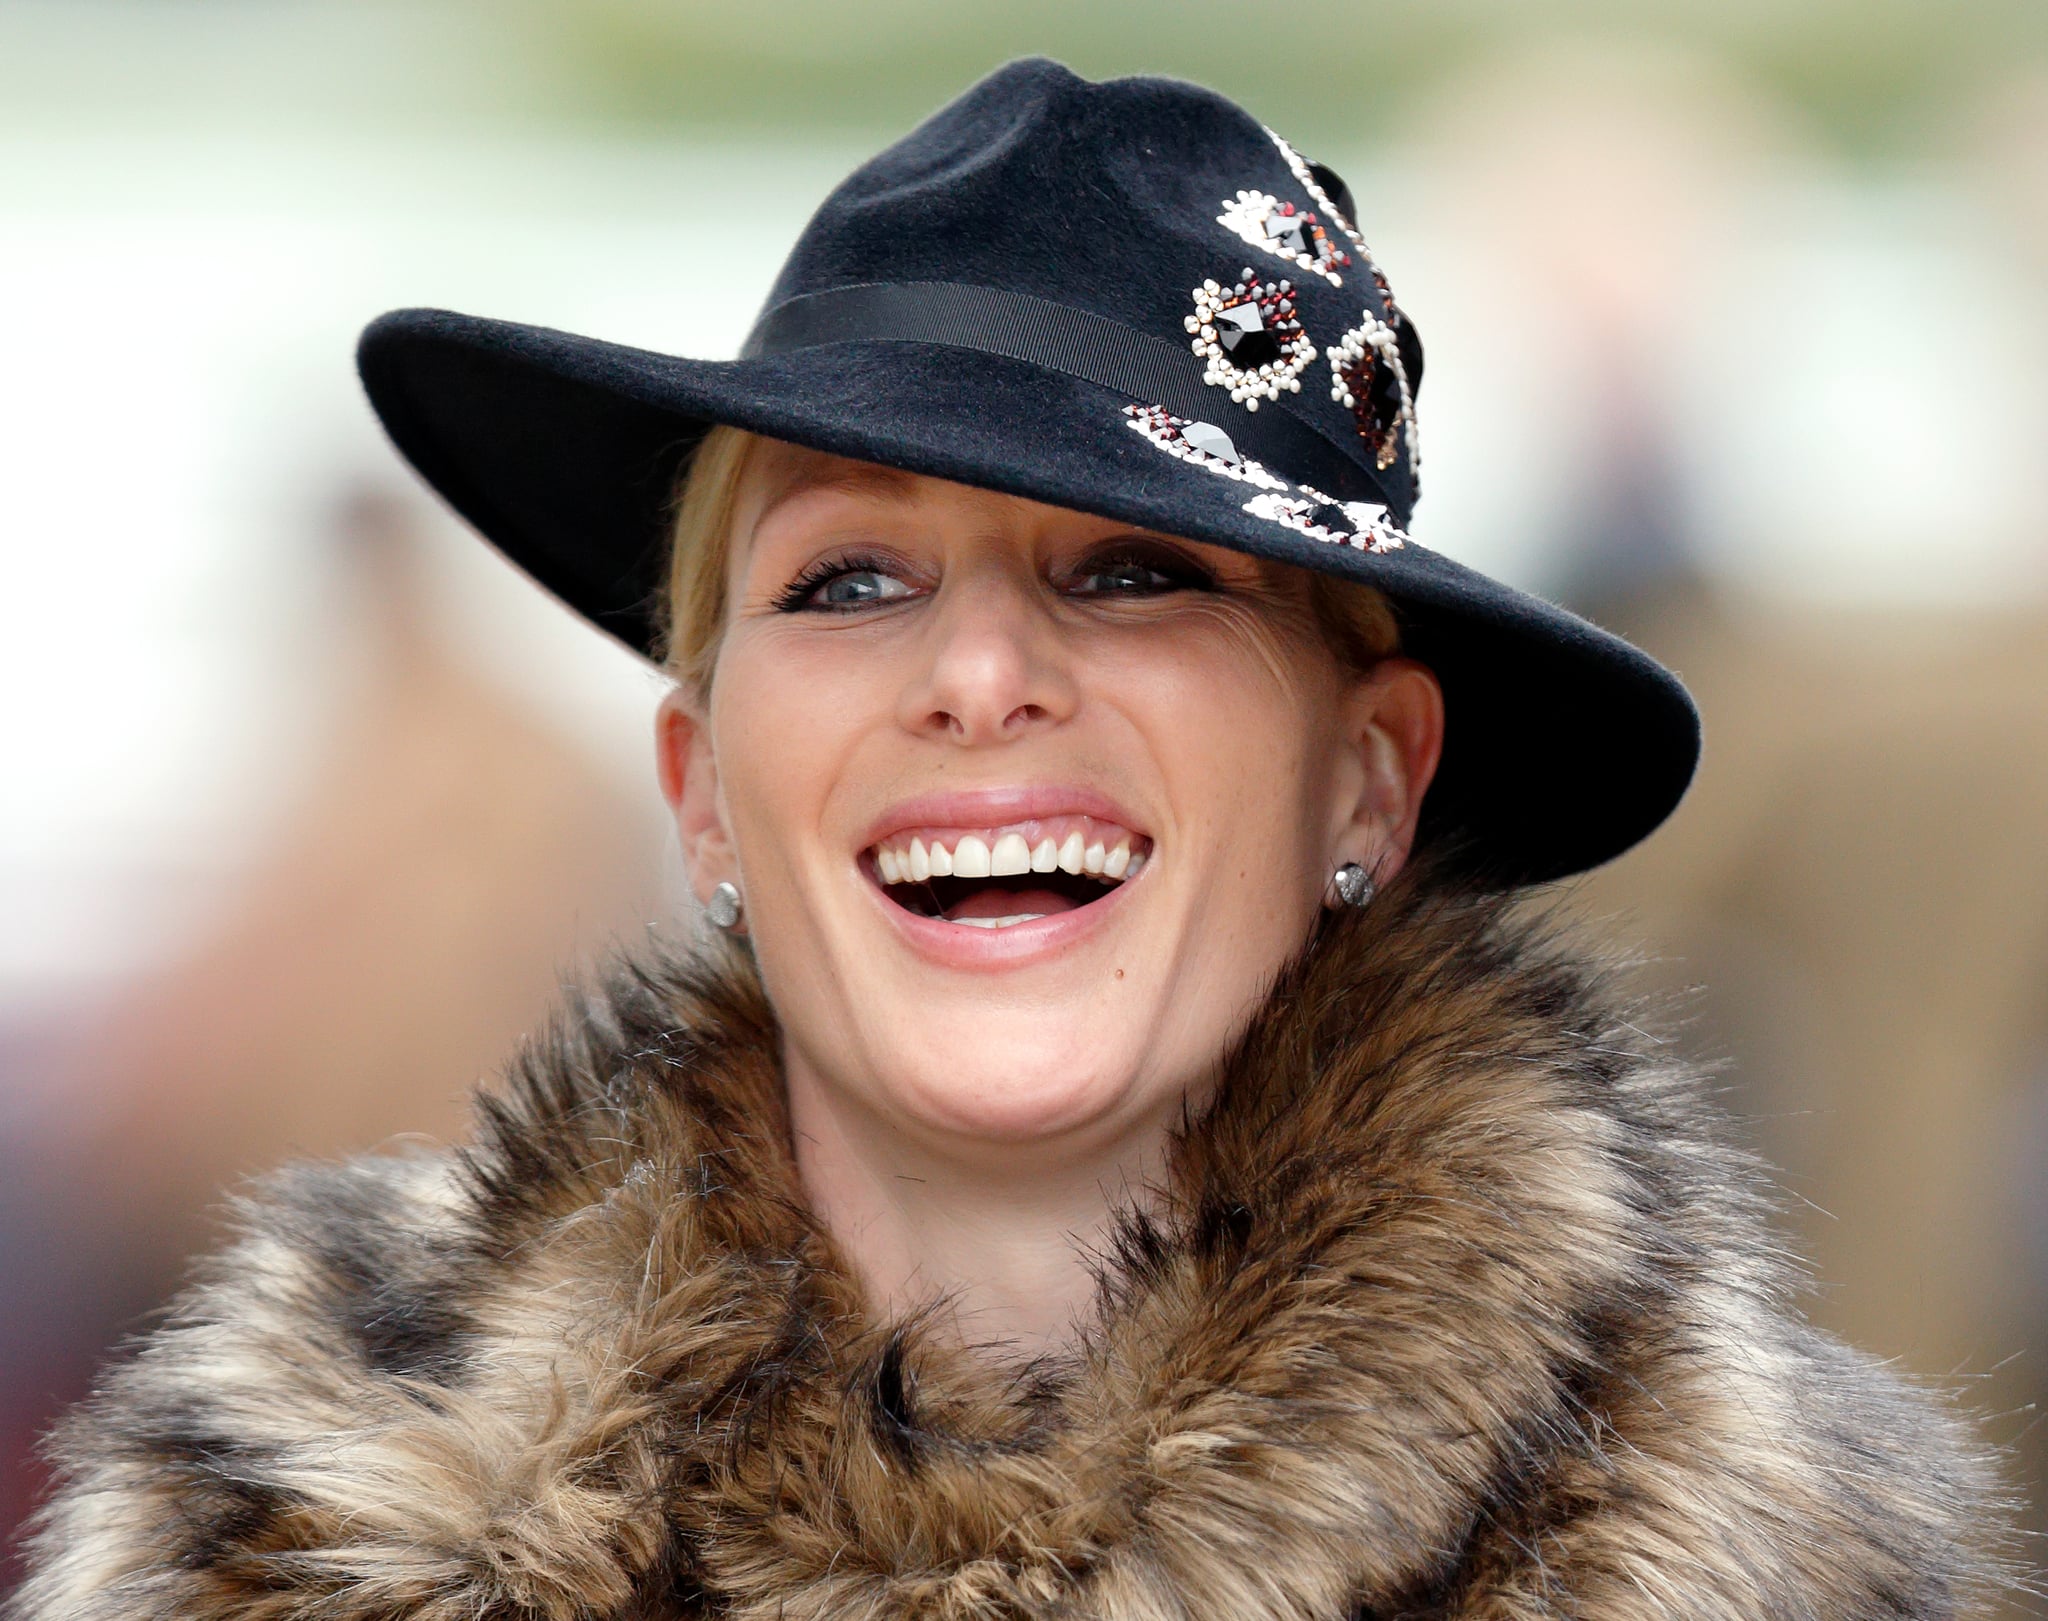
{"type": "Point", "coordinates": [1003, 1077]}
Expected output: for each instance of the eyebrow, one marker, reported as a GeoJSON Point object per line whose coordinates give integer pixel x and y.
{"type": "Point", "coordinates": [839, 473]}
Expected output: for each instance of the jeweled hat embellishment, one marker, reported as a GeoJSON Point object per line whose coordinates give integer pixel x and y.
{"type": "Point", "coordinates": [1251, 338]}
{"type": "Point", "coordinates": [1367, 525]}
{"type": "Point", "coordinates": [1311, 178]}
{"type": "Point", "coordinates": [1290, 233]}
{"type": "Point", "coordinates": [1202, 444]}
{"type": "Point", "coordinates": [1369, 377]}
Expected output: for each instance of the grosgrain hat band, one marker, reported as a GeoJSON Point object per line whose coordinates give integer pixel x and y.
{"type": "Point", "coordinates": [1060, 338]}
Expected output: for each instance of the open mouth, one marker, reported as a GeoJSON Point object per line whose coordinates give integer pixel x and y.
{"type": "Point", "coordinates": [998, 877]}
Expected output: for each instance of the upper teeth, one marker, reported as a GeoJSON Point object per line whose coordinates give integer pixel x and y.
{"type": "Point", "coordinates": [1072, 844]}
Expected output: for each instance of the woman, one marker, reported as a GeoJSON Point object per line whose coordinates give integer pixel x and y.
{"type": "Point", "coordinates": [1121, 1156]}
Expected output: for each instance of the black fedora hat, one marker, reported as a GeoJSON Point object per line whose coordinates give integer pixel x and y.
{"type": "Point", "coordinates": [1127, 298]}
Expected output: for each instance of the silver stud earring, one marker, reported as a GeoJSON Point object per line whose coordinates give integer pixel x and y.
{"type": "Point", "coordinates": [1353, 885]}
{"type": "Point", "coordinates": [725, 906]}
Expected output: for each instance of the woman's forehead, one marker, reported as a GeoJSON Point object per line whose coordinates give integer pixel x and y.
{"type": "Point", "coordinates": [780, 474]}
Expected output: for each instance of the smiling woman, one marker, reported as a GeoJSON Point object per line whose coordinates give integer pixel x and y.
{"type": "Point", "coordinates": [1029, 809]}
{"type": "Point", "coordinates": [1116, 1148]}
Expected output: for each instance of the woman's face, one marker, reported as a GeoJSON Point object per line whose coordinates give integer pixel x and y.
{"type": "Point", "coordinates": [1027, 807]}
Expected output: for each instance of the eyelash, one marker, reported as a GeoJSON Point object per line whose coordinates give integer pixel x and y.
{"type": "Point", "coordinates": [1184, 571]}
{"type": "Point", "coordinates": [795, 597]}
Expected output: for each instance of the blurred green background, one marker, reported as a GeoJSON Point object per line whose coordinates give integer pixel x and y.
{"type": "Point", "coordinates": [1873, 75]}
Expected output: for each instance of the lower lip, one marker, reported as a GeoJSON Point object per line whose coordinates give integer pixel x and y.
{"type": "Point", "coordinates": [958, 945]}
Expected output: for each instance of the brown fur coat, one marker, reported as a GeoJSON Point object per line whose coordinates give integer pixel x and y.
{"type": "Point", "coordinates": [1458, 1306]}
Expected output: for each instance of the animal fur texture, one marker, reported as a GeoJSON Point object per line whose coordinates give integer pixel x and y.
{"type": "Point", "coordinates": [1457, 1305]}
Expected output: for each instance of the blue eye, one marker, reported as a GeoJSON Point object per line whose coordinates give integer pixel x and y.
{"type": "Point", "coordinates": [838, 587]}
{"type": "Point", "coordinates": [857, 588]}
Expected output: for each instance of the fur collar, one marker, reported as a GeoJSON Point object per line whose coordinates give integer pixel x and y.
{"type": "Point", "coordinates": [1457, 1307]}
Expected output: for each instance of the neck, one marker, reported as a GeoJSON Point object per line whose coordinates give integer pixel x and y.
{"type": "Point", "coordinates": [992, 1244]}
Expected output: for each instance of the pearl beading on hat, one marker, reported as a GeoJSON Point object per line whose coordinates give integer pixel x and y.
{"type": "Point", "coordinates": [1371, 526]}
{"type": "Point", "coordinates": [1254, 311]}
{"type": "Point", "coordinates": [1354, 361]}
{"type": "Point", "coordinates": [1214, 452]}
{"type": "Point", "coordinates": [1317, 516]}
{"type": "Point", "coordinates": [1321, 198]}
{"type": "Point", "coordinates": [1251, 214]}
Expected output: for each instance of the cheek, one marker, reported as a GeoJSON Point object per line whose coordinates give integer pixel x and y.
{"type": "Point", "coordinates": [784, 731]}
{"type": "Point", "coordinates": [1243, 721]}
{"type": "Point", "coordinates": [1242, 731]}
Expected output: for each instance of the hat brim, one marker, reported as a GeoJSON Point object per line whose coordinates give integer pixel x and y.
{"type": "Point", "coordinates": [1564, 744]}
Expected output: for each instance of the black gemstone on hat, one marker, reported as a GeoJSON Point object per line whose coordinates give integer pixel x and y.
{"type": "Point", "coordinates": [1408, 341]}
{"type": "Point", "coordinates": [1329, 517]}
{"type": "Point", "coordinates": [1252, 349]}
{"type": "Point", "coordinates": [1242, 333]}
{"type": "Point", "coordinates": [1383, 398]}
{"type": "Point", "coordinates": [1289, 231]}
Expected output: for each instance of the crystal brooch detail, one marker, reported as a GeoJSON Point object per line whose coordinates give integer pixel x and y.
{"type": "Point", "coordinates": [1201, 444]}
{"type": "Point", "coordinates": [1367, 525]}
{"type": "Point", "coordinates": [1251, 338]}
{"type": "Point", "coordinates": [1290, 233]}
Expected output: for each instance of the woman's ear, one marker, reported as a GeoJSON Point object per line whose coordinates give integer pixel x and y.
{"type": "Point", "coordinates": [688, 769]}
{"type": "Point", "coordinates": [1395, 720]}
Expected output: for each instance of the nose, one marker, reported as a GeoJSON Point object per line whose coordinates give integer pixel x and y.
{"type": "Point", "coordinates": [993, 663]}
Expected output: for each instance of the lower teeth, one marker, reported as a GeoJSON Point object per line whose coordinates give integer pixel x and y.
{"type": "Point", "coordinates": [996, 922]}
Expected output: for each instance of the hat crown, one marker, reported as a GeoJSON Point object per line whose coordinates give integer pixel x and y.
{"type": "Point", "coordinates": [1104, 197]}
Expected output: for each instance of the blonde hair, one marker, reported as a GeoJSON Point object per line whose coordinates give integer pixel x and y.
{"type": "Point", "coordinates": [1357, 620]}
